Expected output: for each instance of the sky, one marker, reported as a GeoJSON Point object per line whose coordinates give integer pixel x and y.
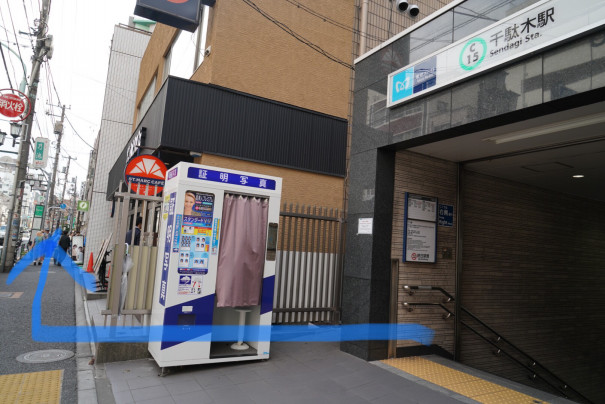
{"type": "Point", "coordinates": [82, 32]}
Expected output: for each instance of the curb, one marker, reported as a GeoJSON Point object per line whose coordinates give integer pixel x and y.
{"type": "Point", "coordinates": [93, 385]}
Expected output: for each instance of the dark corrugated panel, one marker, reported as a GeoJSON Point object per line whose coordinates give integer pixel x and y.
{"type": "Point", "coordinates": [190, 116]}
{"type": "Point", "coordinates": [212, 119]}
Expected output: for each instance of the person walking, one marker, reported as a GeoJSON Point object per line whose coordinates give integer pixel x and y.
{"type": "Point", "coordinates": [39, 239]}
{"type": "Point", "coordinates": [64, 245]}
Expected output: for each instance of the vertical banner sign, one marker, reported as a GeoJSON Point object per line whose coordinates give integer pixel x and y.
{"type": "Point", "coordinates": [167, 248]}
{"type": "Point", "coordinates": [41, 152]}
{"type": "Point", "coordinates": [420, 228]}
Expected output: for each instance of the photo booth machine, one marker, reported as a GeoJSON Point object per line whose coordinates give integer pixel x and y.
{"type": "Point", "coordinates": [216, 263]}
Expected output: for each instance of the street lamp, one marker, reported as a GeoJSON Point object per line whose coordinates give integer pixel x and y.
{"type": "Point", "coordinates": [15, 131]}
{"type": "Point", "coordinates": [2, 137]}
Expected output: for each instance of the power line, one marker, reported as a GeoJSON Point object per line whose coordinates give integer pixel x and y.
{"type": "Point", "coordinates": [14, 30]}
{"type": "Point", "coordinates": [297, 36]}
{"type": "Point", "coordinates": [77, 134]}
{"type": "Point", "coordinates": [330, 20]}
{"type": "Point", "coordinates": [6, 68]}
{"type": "Point", "coordinates": [8, 42]}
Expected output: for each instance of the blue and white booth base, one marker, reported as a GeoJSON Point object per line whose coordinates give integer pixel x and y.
{"type": "Point", "coordinates": [215, 272]}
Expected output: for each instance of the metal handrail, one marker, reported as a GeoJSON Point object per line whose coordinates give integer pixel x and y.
{"type": "Point", "coordinates": [409, 288]}
{"type": "Point", "coordinates": [564, 388]}
{"type": "Point", "coordinates": [409, 306]}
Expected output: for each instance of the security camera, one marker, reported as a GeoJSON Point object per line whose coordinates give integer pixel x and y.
{"type": "Point", "coordinates": [414, 11]}
{"type": "Point", "coordinates": [402, 5]}
{"type": "Point", "coordinates": [207, 51]}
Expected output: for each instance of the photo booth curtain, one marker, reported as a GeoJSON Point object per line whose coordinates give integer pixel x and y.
{"type": "Point", "coordinates": [241, 259]}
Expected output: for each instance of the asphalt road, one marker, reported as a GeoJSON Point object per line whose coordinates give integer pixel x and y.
{"type": "Point", "coordinates": [58, 309]}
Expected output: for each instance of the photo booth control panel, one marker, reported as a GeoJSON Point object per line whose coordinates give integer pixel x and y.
{"type": "Point", "coordinates": [216, 263]}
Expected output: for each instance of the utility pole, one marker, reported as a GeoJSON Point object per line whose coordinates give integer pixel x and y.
{"type": "Point", "coordinates": [72, 215]}
{"type": "Point", "coordinates": [59, 132]}
{"type": "Point", "coordinates": [64, 186]}
{"type": "Point", "coordinates": [43, 48]}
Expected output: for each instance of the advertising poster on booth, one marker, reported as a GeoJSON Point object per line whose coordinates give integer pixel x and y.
{"type": "Point", "coordinates": [195, 235]}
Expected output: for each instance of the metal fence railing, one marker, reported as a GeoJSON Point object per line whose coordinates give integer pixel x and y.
{"type": "Point", "coordinates": [309, 266]}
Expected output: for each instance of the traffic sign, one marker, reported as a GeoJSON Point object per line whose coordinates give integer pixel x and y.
{"type": "Point", "coordinates": [145, 172]}
{"type": "Point", "coordinates": [83, 206]}
{"type": "Point", "coordinates": [63, 206]}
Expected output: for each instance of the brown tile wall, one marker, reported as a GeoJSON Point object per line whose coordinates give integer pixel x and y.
{"type": "Point", "coordinates": [533, 270]}
{"type": "Point", "coordinates": [300, 187]}
{"type": "Point", "coordinates": [251, 54]}
{"type": "Point", "coordinates": [427, 176]}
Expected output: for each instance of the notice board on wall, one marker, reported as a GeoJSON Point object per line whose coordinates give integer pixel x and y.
{"type": "Point", "coordinates": [420, 228]}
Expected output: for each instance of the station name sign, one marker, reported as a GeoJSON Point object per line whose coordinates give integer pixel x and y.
{"type": "Point", "coordinates": [531, 29]}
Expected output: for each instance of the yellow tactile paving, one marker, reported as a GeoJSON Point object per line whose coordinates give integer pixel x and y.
{"type": "Point", "coordinates": [31, 388]}
{"type": "Point", "coordinates": [460, 382]}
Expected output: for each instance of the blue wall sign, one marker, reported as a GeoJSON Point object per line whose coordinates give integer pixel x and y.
{"type": "Point", "coordinates": [446, 215]}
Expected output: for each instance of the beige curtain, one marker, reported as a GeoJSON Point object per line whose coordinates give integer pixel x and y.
{"type": "Point", "coordinates": [241, 258]}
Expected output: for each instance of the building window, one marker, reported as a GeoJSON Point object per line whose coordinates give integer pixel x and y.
{"type": "Point", "coordinates": [146, 101]}
{"type": "Point", "coordinates": [181, 60]}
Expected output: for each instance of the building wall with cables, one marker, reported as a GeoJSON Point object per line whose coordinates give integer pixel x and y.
{"type": "Point", "coordinates": [296, 52]}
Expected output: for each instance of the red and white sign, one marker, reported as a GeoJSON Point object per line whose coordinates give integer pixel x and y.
{"type": "Point", "coordinates": [146, 174]}
{"type": "Point", "coordinates": [14, 104]}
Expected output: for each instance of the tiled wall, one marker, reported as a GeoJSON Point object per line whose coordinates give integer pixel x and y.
{"type": "Point", "coordinates": [118, 107]}
{"type": "Point", "coordinates": [426, 176]}
{"type": "Point", "coordinates": [533, 270]}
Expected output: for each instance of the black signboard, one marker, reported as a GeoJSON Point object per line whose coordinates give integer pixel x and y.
{"type": "Point", "coordinates": [182, 14]}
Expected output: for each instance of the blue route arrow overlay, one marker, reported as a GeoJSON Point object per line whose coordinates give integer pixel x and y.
{"type": "Point", "coordinates": [308, 333]}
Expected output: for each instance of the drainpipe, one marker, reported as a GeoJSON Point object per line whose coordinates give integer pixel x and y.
{"type": "Point", "coordinates": [363, 29]}
{"type": "Point", "coordinates": [459, 246]}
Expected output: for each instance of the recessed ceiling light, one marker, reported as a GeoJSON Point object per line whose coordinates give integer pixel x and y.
{"type": "Point", "coordinates": [578, 176]}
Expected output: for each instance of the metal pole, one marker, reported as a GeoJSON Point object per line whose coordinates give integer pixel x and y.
{"type": "Point", "coordinates": [59, 131]}
{"type": "Point", "coordinates": [63, 192]}
{"type": "Point", "coordinates": [15, 214]}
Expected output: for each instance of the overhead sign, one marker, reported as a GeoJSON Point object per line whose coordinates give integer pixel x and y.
{"type": "Point", "coordinates": [14, 104]}
{"type": "Point", "coordinates": [145, 172]}
{"type": "Point", "coordinates": [83, 206]}
{"type": "Point", "coordinates": [527, 31]}
{"type": "Point", "coordinates": [182, 14]}
{"type": "Point", "coordinates": [41, 152]}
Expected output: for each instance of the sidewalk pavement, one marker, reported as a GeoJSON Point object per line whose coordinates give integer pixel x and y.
{"type": "Point", "coordinates": [297, 372]}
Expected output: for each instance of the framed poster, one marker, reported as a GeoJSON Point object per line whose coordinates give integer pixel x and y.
{"type": "Point", "coordinates": [420, 241]}
{"type": "Point", "coordinates": [420, 228]}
